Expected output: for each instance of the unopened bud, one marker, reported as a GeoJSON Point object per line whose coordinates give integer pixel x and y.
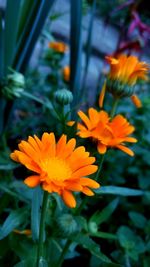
{"type": "Point", "coordinates": [63, 96]}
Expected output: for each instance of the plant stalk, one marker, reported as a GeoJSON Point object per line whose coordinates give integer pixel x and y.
{"type": "Point", "coordinates": [113, 110]}
{"type": "Point", "coordinates": [42, 228]}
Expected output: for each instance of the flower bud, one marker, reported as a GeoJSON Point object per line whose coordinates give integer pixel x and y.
{"type": "Point", "coordinates": [63, 96]}
{"type": "Point", "coordinates": [119, 89]}
{"type": "Point", "coordinates": [93, 228]}
{"type": "Point", "coordinates": [67, 224]}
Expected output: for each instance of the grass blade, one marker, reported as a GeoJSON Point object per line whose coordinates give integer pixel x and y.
{"type": "Point", "coordinates": [75, 48]}
{"type": "Point", "coordinates": [32, 36]}
{"type": "Point", "coordinates": [1, 47]}
{"type": "Point", "coordinates": [11, 29]}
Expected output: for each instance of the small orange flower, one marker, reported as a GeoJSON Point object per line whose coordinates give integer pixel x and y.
{"type": "Point", "coordinates": [66, 73]}
{"type": "Point", "coordinates": [59, 168]}
{"type": "Point", "coordinates": [127, 69]}
{"type": "Point", "coordinates": [123, 75]}
{"type": "Point", "coordinates": [59, 47]}
{"type": "Point", "coordinates": [26, 232]}
{"type": "Point", "coordinates": [105, 132]}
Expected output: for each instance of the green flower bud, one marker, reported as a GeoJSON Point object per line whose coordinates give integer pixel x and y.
{"type": "Point", "coordinates": [67, 224]}
{"type": "Point", "coordinates": [93, 228]}
{"type": "Point", "coordinates": [63, 96]}
{"type": "Point", "coordinates": [119, 89]}
{"type": "Point", "coordinates": [16, 79]}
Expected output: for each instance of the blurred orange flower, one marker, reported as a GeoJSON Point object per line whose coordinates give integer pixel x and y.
{"type": "Point", "coordinates": [123, 75]}
{"type": "Point", "coordinates": [59, 47]}
{"type": "Point", "coordinates": [66, 73]}
{"type": "Point", "coordinates": [107, 133]}
{"type": "Point", "coordinates": [26, 232]}
{"type": "Point", "coordinates": [59, 167]}
{"type": "Point", "coordinates": [127, 69]}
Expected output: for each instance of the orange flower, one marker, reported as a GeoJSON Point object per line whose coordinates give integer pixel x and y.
{"type": "Point", "coordinates": [59, 168]}
{"type": "Point", "coordinates": [106, 133]}
{"type": "Point", "coordinates": [26, 232]}
{"type": "Point", "coordinates": [127, 69]}
{"type": "Point", "coordinates": [123, 75]}
{"type": "Point", "coordinates": [66, 73]}
{"type": "Point", "coordinates": [59, 47]}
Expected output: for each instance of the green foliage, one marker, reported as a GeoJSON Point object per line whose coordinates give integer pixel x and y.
{"type": "Point", "coordinates": [109, 229]}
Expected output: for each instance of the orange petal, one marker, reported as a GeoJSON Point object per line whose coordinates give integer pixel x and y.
{"type": "Point", "coordinates": [71, 123]}
{"type": "Point", "coordinates": [126, 150]}
{"type": "Point", "coordinates": [74, 187]}
{"type": "Point", "coordinates": [69, 199]}
{"type": "Point", "coordinates": [61, 145]}
{"type": "Point", "coordinates": [69, 148]}
{"type": "Point", "coordinates": [32, 181]}
{"type": "Point", "coordinates": [47, 187]}
{"type": "Point", "coordinates": [89, 182]}
{"type": "Point", "coordinates": [14, 156]}
{"type": "Point", "coordinates": [130, 139]}
{"type": "Point", "coordinates": [101, 148]}
{"type": "Point", "coordinates": [87, 170]}
{"type": "Point", "coordinates": [136, 101]}
{"type": "Point", "coordinates": [85, 119]}
{"type": "Point", "coordinates": [87, 191]}
{"type": "Point", "coordinates": [102, 95]}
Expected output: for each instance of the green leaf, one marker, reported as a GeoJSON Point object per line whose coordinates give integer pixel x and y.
{"type": "Point", "coordinates": [1, 47]}
{"type": "Point", "coordinates": [35, 213]}
{"type": "Point", "coordinates": [31, 33]}
{"type": "Point", "coordinates": [14, 219]}
{"type": "Point", "coordinates": [102, 216]}
{"type": "Point", "coordinates": [75, 48]}
{"type": "Point", "coordinates": [11, 29]}
{"type": "Point", "coordinates": [90, 245]}
{"type": "Point", "coordinates": [43, 263]}
{"type": "Point", "coordinates": [28, 263]}
{"type": "Point", "coordinates": [138, 219]}
{"type": "Point", "coordinates": [104, 235]}
{"type": "Point", "coordinates": [117, 190]}
{"type": "Point", "coordinates": [26, 10]}
{"type": "Point", "coordinates": [132, 243]}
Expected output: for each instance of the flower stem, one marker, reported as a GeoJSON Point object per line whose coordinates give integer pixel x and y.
{"type": "Point", "coordinates": [64, 251]}
{"type": "Point", "coordinates": [112, 113]}
{"type": "Point", "coordinates": [77, 212]}
{"type": "Point", "coordinates": [100, 166]}
{"type": "Point", "coordinates": [42, 228]}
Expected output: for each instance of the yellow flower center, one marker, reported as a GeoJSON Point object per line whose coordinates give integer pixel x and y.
{"type": "Point", "coordinates": [56, 169]}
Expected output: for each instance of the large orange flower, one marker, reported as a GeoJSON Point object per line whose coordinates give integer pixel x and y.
{"type": "Point", "coordinates": [105, 132]}
{"type": "Point", "coordinates": [58, 167]}
{"type": "Point", "coordinates": [59, 47]}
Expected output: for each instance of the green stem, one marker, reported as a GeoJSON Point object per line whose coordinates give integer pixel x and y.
{"type": "Point", "coordinates": [64, 251]}
{"type": "Point", "coordinates": [77, 212]}
{"type": "Point", "coordinates": [113, 110]}
{"type": "Point", "coordinates": [42, 228]}
{"type": "Point", "coordinates": [100, 167]}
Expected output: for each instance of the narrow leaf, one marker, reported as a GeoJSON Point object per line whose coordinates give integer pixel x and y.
{"type": "Point", "coordinates": [31, 36]}
{"type": "Point", "coordinates": [104, 235]}
{"type": "Point", "coordinates": [11, 29]}
{"type": "Point", "coordinates": [14, 219]}
{"type": "Point", "coordinates": [35, 213]}
{"type": "Point", "coordinates": [1, 47]}
{"type": "Point", "coordinates": [103, 215]}
{"type": "Point", "coordinates": [93, 247]}
{"type": "Point", "coordinates": [121, 191]}
{"type": "Point", "coordinates": [75, 48]}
